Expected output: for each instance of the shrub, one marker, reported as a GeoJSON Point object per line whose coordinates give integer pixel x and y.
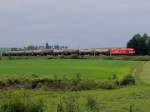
{"type": "Point", "coordinates": [74, 56]}
{"type": "Point", "coordinates": [60, 107]}
{"type": "Point", "coordinates": [92, 104]}
{"type": "Point", "coordinates": [34, 75]}
{"type": "Point", "coordinates": [62, 57]}
{"type": "Point", "coordinates": [108, 85]}
{"type": "Point", "coordinates": [50, 57]}
{"type": "Point", "coordinates": [114, 76]}
{"type": "Point", "coordinates": [68, 104]}
{"type": "Point", "coordinates": [66, 84]}
{"type": "Point", "coordinates": [85, 85]}
{"type": "Point", "coordinates": [76, 80]}
{"type": "Point", "coordinates": [127, 80]}
{"type": "Point", "coordinates": [22, 104]}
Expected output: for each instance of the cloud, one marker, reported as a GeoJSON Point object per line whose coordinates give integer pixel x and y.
{"type": "Point", "coordinates": [77, 23]}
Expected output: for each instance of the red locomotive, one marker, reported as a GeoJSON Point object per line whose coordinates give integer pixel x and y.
{"type": "Point", "coordinates": [122, 51]}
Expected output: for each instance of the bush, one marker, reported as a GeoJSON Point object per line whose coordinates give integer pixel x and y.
{"type": "Point", "coordinates": [68, 104]}
{"type": "Point", "coordinates": [76, 80]}
{"type": "Point", "coordinates": [22, 104]}
{"type": "Point", "coordinates": [85, 85]}
{"type": "Point", "coordinates": [50, 57]}
{"type": "Point", "coordinates": [74, 56]}
{"type": "Point", "coordinates": [92, 104]}
{"type": "Point", "coordinates": [127, 80]}
{"type": "Point", "coordinates": [62, 57]}
{"type": "Point", "coordinates": [108, 85]}
{"type": "Point", "coordinates": [114, 76]}
{"type": "Point", "coordinates": [60, 107]}
{"type": "Point", "coordinates": [66, 84]}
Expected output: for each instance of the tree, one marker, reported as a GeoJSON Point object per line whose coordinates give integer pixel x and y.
{"type": "Point", "coordinates": [141, 48]}
{"type": "Point", "coordinates": [140, 43]}
{"type": "Point", "coordinates": [148, 47]}
{"type": "Point", "coordinates": [133, 43]}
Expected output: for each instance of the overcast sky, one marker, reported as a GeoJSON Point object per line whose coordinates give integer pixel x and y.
{"type": "Point", "coordinates": [76, 23]}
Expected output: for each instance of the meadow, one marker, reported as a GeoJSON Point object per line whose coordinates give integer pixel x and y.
{"type": "Point", "coordinates": [132, 98]}
{"type": "Point", "coordinates": [88, 68]}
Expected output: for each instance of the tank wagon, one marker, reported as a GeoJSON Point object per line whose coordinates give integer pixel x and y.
{"type": "Point", "coordinates": [86, 52]}
{"type": "Point", "coordinates": [104, 51]}
{"type": "Point", "coordinates": [55, 52]}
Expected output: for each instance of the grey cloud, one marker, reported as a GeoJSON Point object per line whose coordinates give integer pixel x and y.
{"type": "Point", "coordinates": [77, 23]}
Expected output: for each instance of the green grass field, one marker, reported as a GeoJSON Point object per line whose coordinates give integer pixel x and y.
{"type": "Point", "coordinates": [145, 75]}
{"type": "Point", "coordinates": [116, 100]}
{"type": "Point", "coordinates": [87, 68]}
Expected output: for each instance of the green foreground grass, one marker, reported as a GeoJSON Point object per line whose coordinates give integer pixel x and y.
{"type": "Point", "coordinates": [145, 74]}
{"type": "Point", "coordinates": [87, 68]}
{"type": "Point", "coordinates": [118, 100]}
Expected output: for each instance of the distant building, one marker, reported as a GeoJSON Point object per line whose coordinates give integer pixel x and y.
{"type": "Point", "coordinates": [47, 46]}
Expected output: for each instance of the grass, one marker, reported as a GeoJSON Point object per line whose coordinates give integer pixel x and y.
{"type": "Point", "coordinates": [116, 100]}
{"type": "Point", "coordinates": [87, 68]}
{"type": "Point", "coordinates": [145, 74]}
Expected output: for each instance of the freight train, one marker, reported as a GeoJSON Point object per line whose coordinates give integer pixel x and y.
{"type": "Point", "coordinates": [56, 52]}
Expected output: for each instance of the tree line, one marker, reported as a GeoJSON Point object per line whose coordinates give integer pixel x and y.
{"type": "Point", "coordinates": [141, 43]}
